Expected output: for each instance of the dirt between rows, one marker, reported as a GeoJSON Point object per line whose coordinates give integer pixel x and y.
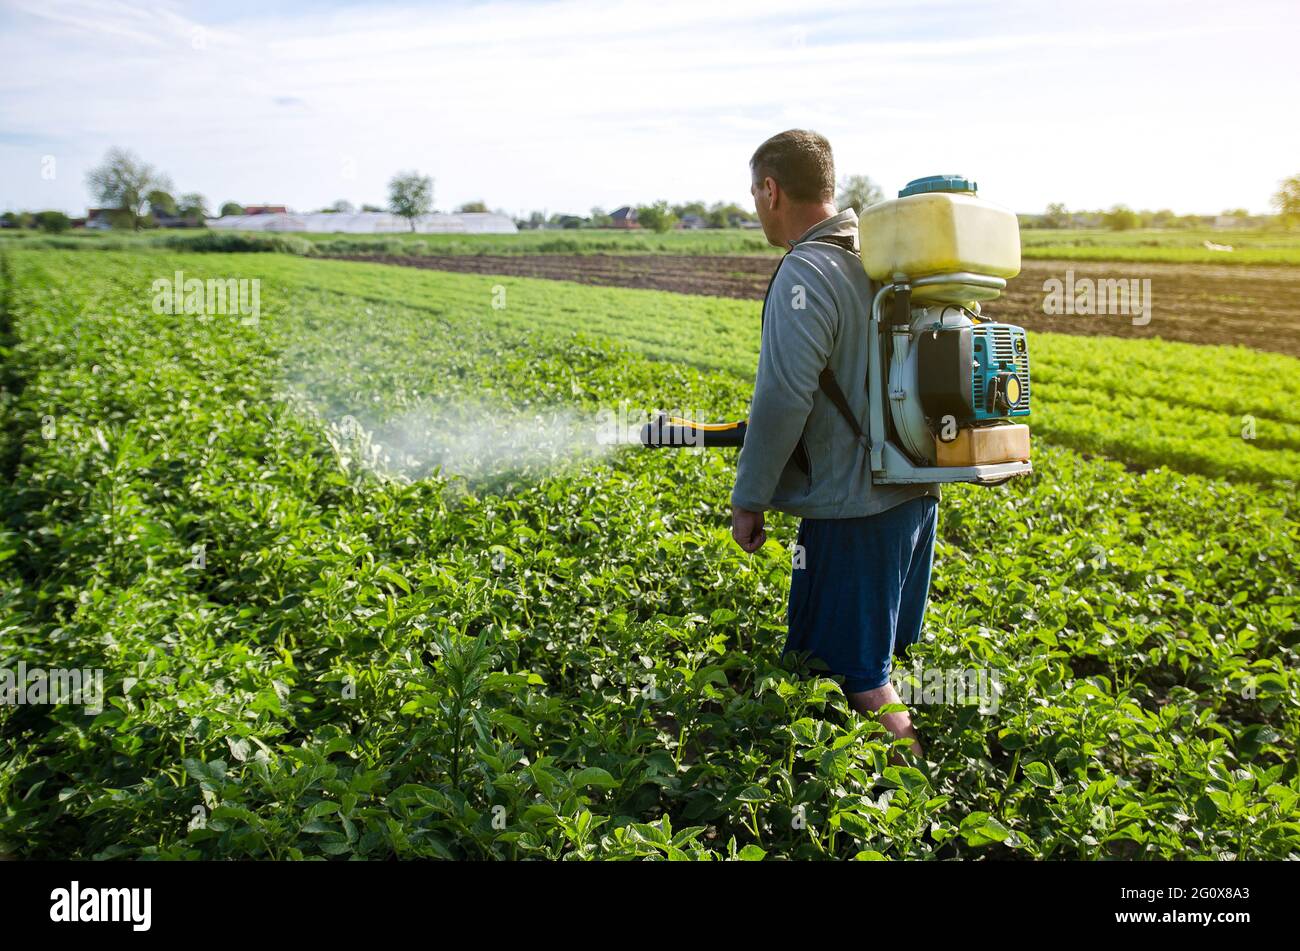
{"type": "Point", "coordinates": [1256, 307]}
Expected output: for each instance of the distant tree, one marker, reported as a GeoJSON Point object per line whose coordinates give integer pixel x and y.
{"type": "Point", "coordinates": [536, 220]}
{"type": "Point", "coordinates": [1287, 201]}
{"type": "Point", "coordinates": [232, 208]}
{"type": "Point", "coordinates": [410, 195]}
{"type": "Point", "coordinates": [600, 218]}
{"type": "Point", "coordinates": [1236, 213]}
{"type": "Point", "coordinates": [124, 182]}
{"type": "Point", "coordinates": [8, 220]}
{"type": "Point", "coordinates": [342, 207]}
{"type": "Point", "coordinates": [697, 208]}
{"type": "Point", "coordinates": [725, 215]}
{"type": "Point", "coordinates": [1121, 218]}
{"type": "Point", "coordinates": [193, 208]}
{"type": "Point", "coordinates": [1162, 218]}
{"type": "Point", "coordinates": [371, 208]}
{"type": "Point", "coordinates": [858, 192]}
{"type": "Point", "coordinates": [53, 222]}
{"type": "Point", "coordinates": [1056, 216]}
{"type": "Point", "coordinates": [657, 217]}
{"type": "Point", "coordinates": [161, 203]}
{"type": "Point", "coordinates": [472, 207]}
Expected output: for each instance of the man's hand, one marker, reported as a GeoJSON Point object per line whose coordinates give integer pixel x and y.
{"type": "Point", "coordinates": [747, 528]}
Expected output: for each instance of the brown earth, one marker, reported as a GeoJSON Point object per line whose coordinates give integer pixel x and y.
{"type": "Point", "coordinates": [1255, 307]}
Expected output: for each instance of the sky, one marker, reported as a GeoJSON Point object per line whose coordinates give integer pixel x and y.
{"type": "Point", "coordinates": [569, 104]}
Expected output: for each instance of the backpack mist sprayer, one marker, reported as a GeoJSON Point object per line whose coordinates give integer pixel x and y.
{"type": "Point", "coordinates": [955, 384]}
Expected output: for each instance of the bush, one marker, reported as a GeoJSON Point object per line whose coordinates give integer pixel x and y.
{"type": "Point", "coordinates": [1121, 218]}
{"type": "Point", "coordinates": [66, 243]}
{"type": "Point", "coordinates": [53, 222]}
{"type": "Point", "coordinates": [234, 243]}
{"type": "Point", "coordinates": [561, 246]}
{"type": "Point", "coordinates": [656, 217]}
{"type": "Point", "coordinates": [370, 246]}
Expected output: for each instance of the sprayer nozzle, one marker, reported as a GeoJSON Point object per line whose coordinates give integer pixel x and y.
{"type": "Point", "coordinates": [670, 431]}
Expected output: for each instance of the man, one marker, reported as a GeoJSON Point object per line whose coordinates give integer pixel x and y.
{"type": "Point", "coordinates": [859, 597]}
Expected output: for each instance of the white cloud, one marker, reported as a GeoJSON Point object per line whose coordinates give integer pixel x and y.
{"type": "Point", "coordinates": [574, 103]}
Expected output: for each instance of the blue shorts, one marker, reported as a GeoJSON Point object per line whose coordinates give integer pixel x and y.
{"type": "Point", "coordinates": [859, 598]}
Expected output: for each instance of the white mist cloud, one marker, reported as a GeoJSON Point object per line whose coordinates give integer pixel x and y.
{"type": "Point", "coordinates": [476, 441]}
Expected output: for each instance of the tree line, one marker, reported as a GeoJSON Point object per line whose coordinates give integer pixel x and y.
{"type": "Point", "coordinates": [138, 196]}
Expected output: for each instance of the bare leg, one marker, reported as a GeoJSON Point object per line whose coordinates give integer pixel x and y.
{"type": "Point", "coordinates": [900, 724]}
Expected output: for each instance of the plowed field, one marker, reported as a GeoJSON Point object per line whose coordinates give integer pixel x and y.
{"type": "Point", "coordinates": [1255, 307]}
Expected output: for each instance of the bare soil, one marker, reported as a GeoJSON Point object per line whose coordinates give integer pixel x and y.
{"type": "Point", "coordinates": [1256, 307]}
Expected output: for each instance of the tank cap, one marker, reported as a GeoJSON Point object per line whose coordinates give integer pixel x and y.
{"type": "Point", "coordinates": [938, 183]}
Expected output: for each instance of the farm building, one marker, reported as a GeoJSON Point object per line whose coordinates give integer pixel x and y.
{"type": "Point", "coordinates": [367, 222]}
{"type": "Point", "coordinates": [624, 217]}
{"type": "Point", "coordinates": [101, 219]}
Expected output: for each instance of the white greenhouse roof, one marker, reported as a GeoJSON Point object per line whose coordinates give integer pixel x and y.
{"type": "Point", "coordinates": [368, 222]}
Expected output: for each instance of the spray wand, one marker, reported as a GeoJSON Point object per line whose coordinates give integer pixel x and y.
{"type": "Point", "coordinates": [665, 432]}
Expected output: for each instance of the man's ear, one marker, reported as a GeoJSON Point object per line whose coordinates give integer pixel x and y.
{"type": "Point", "coordinates": [773, 193]}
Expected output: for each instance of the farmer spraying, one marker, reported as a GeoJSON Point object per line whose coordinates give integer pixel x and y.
{"type": "Point", "coordinates": [879, 379]}
{"type": "Point", "coordinates": [858, 594]}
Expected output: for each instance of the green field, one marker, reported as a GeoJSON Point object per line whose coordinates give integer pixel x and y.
{"type": "Point", "coordinates": [1145, 402]}
{"type": "Point", "coordinates": [1256, 247]}
{"type": "Point", "coordinates": [526, 242]}
{"type": "Point", "coordinates": [1179, 246]}
{"type": "Point", "coordinates": [346, 608]}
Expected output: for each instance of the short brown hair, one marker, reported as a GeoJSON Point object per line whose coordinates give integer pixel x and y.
{"type": "Point", "coordinates": [801, 162]}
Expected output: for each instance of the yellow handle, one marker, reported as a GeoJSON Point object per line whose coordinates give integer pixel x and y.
{"type": "Point", "coordinates": [707, 427]}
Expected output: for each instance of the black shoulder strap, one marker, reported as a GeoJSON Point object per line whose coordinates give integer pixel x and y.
{"type": "Point", "coordinates": [762, 314]}
{"type": "Point", "coordinates": [839, 240]}
{"type": "Point", "coordinates": [831, 387]}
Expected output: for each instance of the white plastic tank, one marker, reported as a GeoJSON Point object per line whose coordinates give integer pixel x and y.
{"type": "Point", "coordinates": [939, 225]}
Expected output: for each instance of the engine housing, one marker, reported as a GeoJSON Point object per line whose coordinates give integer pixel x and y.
{"type": "Point", "coordinates": [946, 365]}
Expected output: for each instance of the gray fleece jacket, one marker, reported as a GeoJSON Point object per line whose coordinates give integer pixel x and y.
{"type": "Point", "coordinates": [816, 313]}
